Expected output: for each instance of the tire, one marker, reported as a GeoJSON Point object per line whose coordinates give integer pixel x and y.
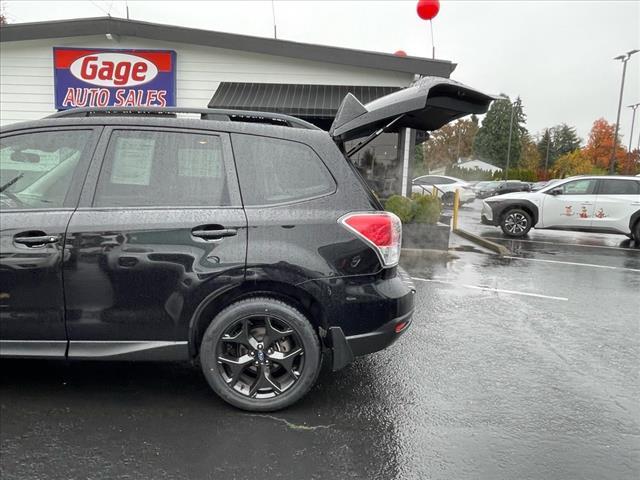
{"type": "Point", "coordinates": [516, 223]}
{"type": "Point", "coordinates": [260, 355]}
{"type": "Point", "coordinates": [636, 233]}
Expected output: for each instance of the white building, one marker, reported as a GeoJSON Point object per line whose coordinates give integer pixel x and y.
{"type": "Point", "coordinates": [479, 165]}
{"type": "Point", "coordinates": [214, 69]}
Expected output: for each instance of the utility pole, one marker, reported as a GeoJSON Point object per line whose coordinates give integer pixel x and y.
{"type": "Point", "coordinates": [273, 14]}
{"type": "Point", "coordinates": [624, 58]}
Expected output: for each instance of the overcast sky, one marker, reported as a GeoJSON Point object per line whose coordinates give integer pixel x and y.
{"type": "Point", "coordinates": [556, 55]}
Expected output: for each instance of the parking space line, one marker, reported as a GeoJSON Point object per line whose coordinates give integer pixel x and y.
{"type": "Point", "coordinates": [559, 243]}
{"type": "Point", "coordinates": [492, 289]}
{"type": "Point", "coordinates": [592, 265]}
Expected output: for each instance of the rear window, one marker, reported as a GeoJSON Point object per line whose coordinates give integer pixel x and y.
{"type": "Point", "coordinates": [619, 187]}
{"type": "Point", "coordinates": [273, 171]}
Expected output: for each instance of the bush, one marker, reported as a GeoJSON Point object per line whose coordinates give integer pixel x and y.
{"type": "Point", "coordinates": [401, 206]}
{"type": "Point", "coordinates": [426, 209]}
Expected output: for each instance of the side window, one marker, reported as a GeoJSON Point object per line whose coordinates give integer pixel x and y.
{"type": "Point", "coordinates": [157, 168]}
{"type": "Point", "coordinates": [579, 187]}
{"type": "Point", "coordinates": [37, 169]}
{"type": "Point", "coordinates": [276, 171]}
{"type": "Point", "coordinates": [619, 187]}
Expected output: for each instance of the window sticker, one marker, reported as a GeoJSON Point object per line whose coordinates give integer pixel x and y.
{"type": "Point", "coordinates": [132, 161]}
{"type": "Point", "coordinates": [198, 162]}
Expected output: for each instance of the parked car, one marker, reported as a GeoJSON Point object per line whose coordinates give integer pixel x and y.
{"type": "Point", "coordinates": [607, 204]}
{"type": "Point", "coordinates": [445, 186]}
{"type": "Point", "coordinates": [545, 183]}
{"type": "Point", "coordinates": [486, 189]}
{"type": "Point", "coordinates": [244, 240]}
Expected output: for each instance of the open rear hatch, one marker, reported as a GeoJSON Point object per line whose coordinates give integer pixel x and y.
{"type": "Point", "coordinates": [428, 104]}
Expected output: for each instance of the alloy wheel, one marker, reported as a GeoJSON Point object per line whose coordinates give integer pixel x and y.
{"type": "Point", "coordinates": [516, 223]}
{"type": "Point", "coordinates": [260, 356]}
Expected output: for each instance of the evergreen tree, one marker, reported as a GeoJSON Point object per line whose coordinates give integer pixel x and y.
{"type": "Point", "coordinates": [492, 141]}
{"type": "Point", "coordinates": [560, 139]}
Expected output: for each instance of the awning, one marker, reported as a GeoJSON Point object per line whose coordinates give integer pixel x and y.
{"type": "Point", "coordinates": [320, 101]}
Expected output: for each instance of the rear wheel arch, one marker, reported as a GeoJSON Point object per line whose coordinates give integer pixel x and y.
{"type": "Point", "coordinates": [287, 293]}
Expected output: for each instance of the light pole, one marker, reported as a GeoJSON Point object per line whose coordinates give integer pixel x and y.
{"type": "Point", "coordinates": [506, 173]}
{"type": "Point", "coordinates": [624, 58]}
{"type": "Point", "coordinates": [633, 108]}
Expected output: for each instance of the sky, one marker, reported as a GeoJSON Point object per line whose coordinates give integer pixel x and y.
{"type": "Point", "coordinates": [556, 55]}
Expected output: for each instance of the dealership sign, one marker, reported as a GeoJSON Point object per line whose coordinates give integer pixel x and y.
{"type": "Point", "coordinates": [118, 78]}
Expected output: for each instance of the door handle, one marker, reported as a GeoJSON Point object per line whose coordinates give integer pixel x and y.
{"type": "Point", "coordinates": [214, 234]}
{"type": "Point", "coordinates": [635, 203]}
{"type": "Point", "coordinates": [586, 203]}
{"type": "Point", "coordinates": [36, 240]}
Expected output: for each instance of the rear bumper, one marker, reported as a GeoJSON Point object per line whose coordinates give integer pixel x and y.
{"type": "Point", "coordinates": [380, 339]}
{"type": "Point", "coordinates": [365, 318]}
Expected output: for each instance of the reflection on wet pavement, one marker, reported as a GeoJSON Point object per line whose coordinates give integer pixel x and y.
{"type": "Point", "coordinates": [484, 385]}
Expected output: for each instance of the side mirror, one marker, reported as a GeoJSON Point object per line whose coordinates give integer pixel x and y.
{"type": "Point", "coordinates": [24, 157]}
{"type": "Point", "coordinates": [555, 191]}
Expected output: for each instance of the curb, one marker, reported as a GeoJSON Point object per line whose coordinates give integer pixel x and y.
{"type": "Point", "coordinates": [483, 242]}
{"type": "Point", "coordinates": [426, 254]}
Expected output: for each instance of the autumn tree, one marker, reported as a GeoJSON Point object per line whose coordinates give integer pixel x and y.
{"type": "Point", "coordinates": [600, 144]}
{"type": "Point", "coordinates": [529, 157]}
{"type": "Point", "coordinates": [573, 163]}
{"type": "Point", "coordinates": [451, 142]}
{"type": "Point", "coordinates": [492, 140]}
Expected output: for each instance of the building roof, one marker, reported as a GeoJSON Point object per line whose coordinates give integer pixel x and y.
{"type": "Point", "coordinates": [292, 99]}
{"type": "Point", "coordinates": [155, 31]}
{"type": "Point", "coordinates": [475, 163]}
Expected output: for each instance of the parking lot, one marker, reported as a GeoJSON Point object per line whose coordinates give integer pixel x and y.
{"type": "Point", "coordinates": [517, 367]}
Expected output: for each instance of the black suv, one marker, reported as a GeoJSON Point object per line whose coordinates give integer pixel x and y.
{"type": "Point", "coordinates": [244, 239]}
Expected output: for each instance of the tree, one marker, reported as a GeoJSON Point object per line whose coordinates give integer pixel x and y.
{"type": "Point", "coordinates": [557, 141]}
{"type": "Point", "coordinates": [598, 149]}
{"type": "Point", "coordinates": [529, 157]}
{"type": "Point", "coordinates": [492, 140]}
{"type": "Point", "coordinates": [451, 142]}
{"type": "Point", "coordinates": [3, 14]}
{"type": "Point", "coordinates": [565, 139]}
{"type": "Point", "coordinates": [573, 163]}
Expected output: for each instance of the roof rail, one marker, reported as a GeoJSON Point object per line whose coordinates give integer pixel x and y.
{"type": "Point", "coordinates": [205, 114]}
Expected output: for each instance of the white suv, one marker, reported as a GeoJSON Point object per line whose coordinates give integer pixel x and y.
{"type": "Point", "coordinates": [607, 204]}
{"type": "Point", "coordinates": [446, 187]}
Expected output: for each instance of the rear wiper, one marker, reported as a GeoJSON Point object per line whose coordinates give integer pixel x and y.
{"type": "Point", "coordinates": [11, 182]}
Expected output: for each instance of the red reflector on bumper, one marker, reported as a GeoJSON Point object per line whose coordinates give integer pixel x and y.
{"type": "Point", "coordinates": [401, 326]}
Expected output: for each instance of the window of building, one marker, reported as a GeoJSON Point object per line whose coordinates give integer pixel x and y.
{"type": "Point", "coordinates": [151, 168]}
{"type": "Point", "coordinates": [276, 171]}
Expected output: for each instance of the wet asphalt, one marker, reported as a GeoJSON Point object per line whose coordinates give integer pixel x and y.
{"type": "Point", "coordinates": [514, 368]}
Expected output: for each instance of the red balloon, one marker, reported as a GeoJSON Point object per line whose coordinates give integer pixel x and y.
{"type": "Point", "coordinates": [428, 9]}
{"type": "Point", "coordinates": [400, 53]}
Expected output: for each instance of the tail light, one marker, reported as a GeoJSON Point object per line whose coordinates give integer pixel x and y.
{"type": "Point", "coordinates": [381, 230]}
